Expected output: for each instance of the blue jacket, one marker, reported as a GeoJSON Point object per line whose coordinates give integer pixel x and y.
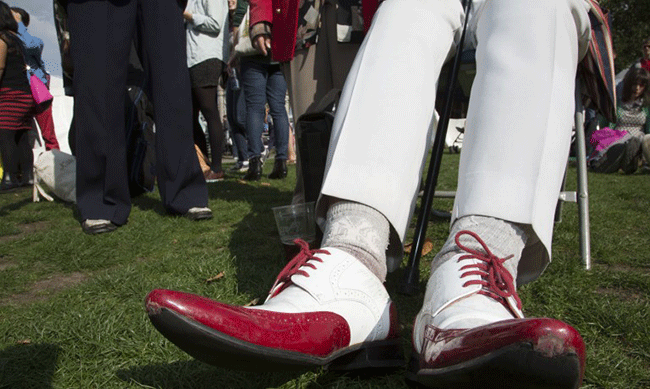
{"type": "Point", "coordinates": [33, 51]}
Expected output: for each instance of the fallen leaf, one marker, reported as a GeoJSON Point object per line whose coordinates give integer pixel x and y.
{"type": "Point", "coordinates": [265, 184]}
{"type": "Point", "coordinates": [220, 275]}
{"type": "Point", "coordinates": [426, 247]}
{"type": "Point", "coordinates": [252, 302]}
{"type": "Point", "coordinates": [24, 341]}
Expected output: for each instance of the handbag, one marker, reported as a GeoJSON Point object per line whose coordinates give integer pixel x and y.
{"type": "Point", "coordinates": [56, 171]}
{"type": "Point", "coordinates": [39, 91]}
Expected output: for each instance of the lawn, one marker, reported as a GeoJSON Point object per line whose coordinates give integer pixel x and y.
{"type": "Point", "coordinates": [72, 312]}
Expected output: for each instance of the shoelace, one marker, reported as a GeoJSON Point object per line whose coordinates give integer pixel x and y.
{"type": "Point", "coordinates": [294, 266]}
{"type": "Point", "coordinates": [496, 280]}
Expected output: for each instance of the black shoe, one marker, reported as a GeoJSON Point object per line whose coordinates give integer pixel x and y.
{"type": "Point", "coordinates": [279, 169]}
{"type": "Point", "coordinates": [97, 226]}
{"type": "Point", "coordinates": [8, 186]}
{"type": "Point", "coordinates": [254, 169]}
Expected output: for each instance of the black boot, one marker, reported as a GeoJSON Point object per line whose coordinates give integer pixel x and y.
{"type": "Point", "coordinates": [254, 169]}
{"type": "Point", "coordinates": [279, 169]}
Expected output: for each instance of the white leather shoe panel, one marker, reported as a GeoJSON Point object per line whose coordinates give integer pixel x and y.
{"type": "Point", "coordinates": [343, 285]}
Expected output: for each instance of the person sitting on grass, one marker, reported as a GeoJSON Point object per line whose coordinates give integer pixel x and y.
{"type": "Point", "coordinates": [632, 128]}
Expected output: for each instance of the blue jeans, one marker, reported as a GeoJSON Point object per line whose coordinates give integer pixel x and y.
{"type": "Point", "coordinates": [263, 83]}
{"type": "Point", "coordinates": [236, 112]}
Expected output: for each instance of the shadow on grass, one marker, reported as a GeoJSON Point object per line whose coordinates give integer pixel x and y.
{"type": "Point", "coordinates": [198, 375]}
{"type": "Point", "coordinates": [254, 243]}
{"type": "Point", "coordinates": [195, 374]}
{"type": "Point", "coordinates": [28, 366]}
{"type": "Point", "coordinates": [147, 202]}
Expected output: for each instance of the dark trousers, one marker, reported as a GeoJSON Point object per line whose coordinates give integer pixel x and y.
{"type": "Point", "coordinates": [17, 156]}
{"type": "Point", "coordinates": [101, 37]}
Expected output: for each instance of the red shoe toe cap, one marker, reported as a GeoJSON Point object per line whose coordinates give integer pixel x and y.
{"type": "Point", "coordinates": [313, 333]}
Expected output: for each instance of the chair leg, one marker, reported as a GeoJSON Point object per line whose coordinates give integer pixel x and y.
{"type": "Point", "coordinates": [583, 191]}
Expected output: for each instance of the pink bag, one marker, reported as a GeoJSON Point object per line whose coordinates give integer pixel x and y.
{"type": "Point", "coordinates": [604, 137]}
{"type": "Point", "coordinates": [40, 92]}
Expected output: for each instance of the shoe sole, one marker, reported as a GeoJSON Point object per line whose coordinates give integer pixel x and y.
{"type": "Point", "coordinates": [101, 229]}
{"type": "Point", "coordinates": [515, 366]}
{"type": "Point", "coordinates": [199, 216]}
{"type": "Point", "coordinates": [218, 349]}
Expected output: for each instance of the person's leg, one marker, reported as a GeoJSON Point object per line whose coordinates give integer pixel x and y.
{"type": "Point", "coordinates": [101, 34]}
{"type": "Point", "coordinates": [253, 79]}
{"type": "Point", "coordinates": [380, 116]}
{"type": "Point", "coordinates": [234, 104]}
{"type": "Point", "coordinates": [25, 156]}
{"type": "Point", "coordinates": [180, 180]}
{"type": "Point", "coordinates": [197, 129]}
{"type": "Point", "coordinates": [46, 124]}
{"type": "Point", "coordinates": [9, 152]}
{"type": "Point", "coordinates": [645, 148]}
{"type": "Point", "coordinates": [207, 100]}
{"type": "Point", "coordinates": [509, 179]}
{"type": "Point", "coordinates": [276, 91]}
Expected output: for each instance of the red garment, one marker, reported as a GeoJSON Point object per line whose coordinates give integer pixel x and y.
{"type": "Point", "coordinates": [16, 109]}
{"type": "Point", "coordinates": [645, 63]}
{"type": "Point", "coordinates": [282, 16]}
{"type": "Point", "coordinates": [46, 124]}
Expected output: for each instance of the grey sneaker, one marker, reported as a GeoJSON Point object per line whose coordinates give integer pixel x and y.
{"type": "Point", "coordinates": [199, 213]}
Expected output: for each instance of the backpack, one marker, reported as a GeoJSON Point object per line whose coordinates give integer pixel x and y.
{"type": "Point", "coordinates": [313, 132]}
{"type": "Point", "coordinates": [140, 138]}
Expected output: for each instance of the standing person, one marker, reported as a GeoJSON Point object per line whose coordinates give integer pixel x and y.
{"type": "Point", "coordinates": [33, 52]}
{"type": "Point", "coordinates": [262, 82]}
{"type": "Point", "coordinates": [17, 106]}
{"type": "Point", "coordinates": [206, 23]}
{"type": "Point", "coordinates": [101, 35]}
{"type": "Point", "coordinates": [471, 330]}
{"type": "Point", "coordinates": [316, 42]}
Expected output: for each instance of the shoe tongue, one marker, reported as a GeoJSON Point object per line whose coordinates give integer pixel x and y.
{"type": "Point", "coordinates": [445, 286]}
{"type": "Point", "coordinates": [449, 296]}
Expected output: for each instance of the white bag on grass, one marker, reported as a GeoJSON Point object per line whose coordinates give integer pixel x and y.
{"type": "Point", "coordinates": [55, 170]}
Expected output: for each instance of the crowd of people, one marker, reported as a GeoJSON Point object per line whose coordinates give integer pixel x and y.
{"type": "Point", "coordinates": [329, 306]}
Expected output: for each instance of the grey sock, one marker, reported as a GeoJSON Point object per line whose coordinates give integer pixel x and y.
{"type": "Point", "coordinates": [359, 230]}
{"type": "Point", "coordinates": [501, 237]}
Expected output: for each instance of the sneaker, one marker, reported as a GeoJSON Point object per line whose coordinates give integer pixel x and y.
{"type": "Point", "coordinates": [264, 155]}
{"type": "Point", "coordinates": [239, 167]}
{"type": "Point", "coordinates": [471, 331]}
{"type": "Point", "coordinates": [199, 213]}
{"type": "Point", "coordinates": [97, 226]}
{"type": "Point", "coordinates": [325, 309]}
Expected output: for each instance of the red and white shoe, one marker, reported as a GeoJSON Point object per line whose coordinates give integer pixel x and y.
{"type": "Point", "coordinates": [471, 331]}
{"type": "Point", "coordinates": [325, 309]}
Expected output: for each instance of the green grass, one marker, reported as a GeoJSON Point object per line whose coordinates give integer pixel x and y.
{"type": "Point", "coordinates": [72, 313]}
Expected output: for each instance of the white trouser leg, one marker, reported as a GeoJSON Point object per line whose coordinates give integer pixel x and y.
{"type": "Point", "coordinates": [520, 115]}
{"type": "Point", "coordinates": [520, 118]}
{"type": "Point", "coordinates": [380, 135]}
